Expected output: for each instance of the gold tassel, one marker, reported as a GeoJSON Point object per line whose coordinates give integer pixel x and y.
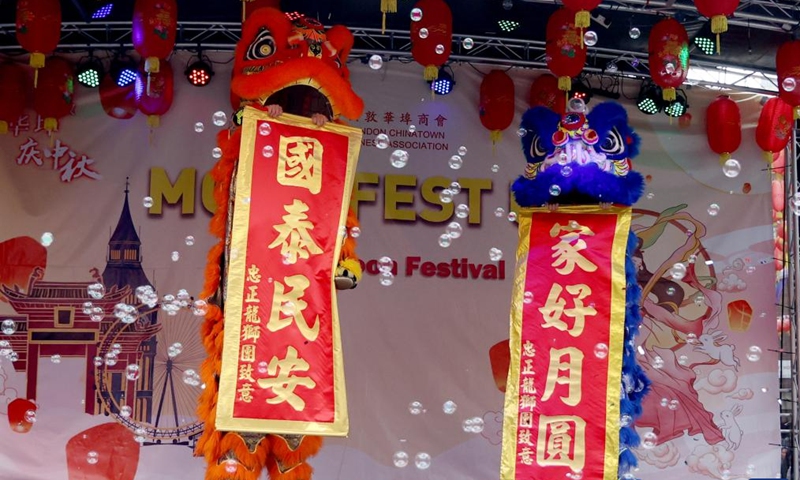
{"type": "Point", "coordinates": [583, 19]}
{"type": "Point", "coordinates": [431, 73]}
{"type": "Point", "coordinates": [724, 157]}
{"type": "Point", "coordinates": [669, 94]}
{"type": "Point", "coordinates": [768, 157]}
{"type": "Point", "coordinates": [50, 124]}
{"type": "Point", "coordinates": [3, 127]}
{"type": "Point", "coordinates": [495, 136]}
{"type": "Point", "coordinates": [37, 62]}
{"type": "Point", "coordinates": [153, 121]}
{"type": "Point", "coordinates": [152, 65]}
{"type": "Point", "coordinates": [797, 113]}
{"type": "Point", "coordinates": [719, 24]}
{"type": "Point", "coordinates": [565, 83]}
{"type": "Point", "coordinates": [387, 6]}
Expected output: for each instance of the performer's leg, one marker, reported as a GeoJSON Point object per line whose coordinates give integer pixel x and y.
{"type": "Point", "coordinates": [289, 454]}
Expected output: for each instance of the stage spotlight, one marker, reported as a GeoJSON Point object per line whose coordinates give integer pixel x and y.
{"type": "Point", "coordinates": [508, 25]}
{"type": "Point", "coordinates": [677, 108]}
{"type": "Point", "coordinates": [649, 101]}
{"type": "Point", "coordinates": [200, 72]}
{"type": "Point", "coordinates": [581, 91]}
{"type": "Point", "coordinates": [103, 11]}
{"type": "Point", "coordinates": [123, 71]}
{"type": "Point", "coordinates": [90, 72]}
{"type": "Point", "coordinates": [444, 83]}
{"type": "Point", "coordinates": [705, 40]}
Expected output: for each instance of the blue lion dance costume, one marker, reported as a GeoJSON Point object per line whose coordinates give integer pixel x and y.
{"type": "Point", "coordinates": [581, 159]}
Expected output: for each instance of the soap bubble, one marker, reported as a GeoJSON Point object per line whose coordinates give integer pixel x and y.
{"type": "Point", "coordinates": [125, 411]}
{"type": "Point", "coordinates": [462, 150]}
{"type": "Point", "coordinates": [601, 351]}
{"type": "Point", "coordinates": [468, 43]}
{"type": "Point", "coordinates": [199, 127]}
{"type": "Point", "coordinates": [590, 38]}
{"type": "Point", "coordinates": [495, 168]}
{"type": "Point", "coordinates": [386, 279]}
{"type": "Point", "coordinates": [47, 239]}
{"type": "Point", "coordinates": [512, 216]}
{"type": "Point", "coordinates": [449, 407]}
{"type": "Point", "coordinates": [175, 256]}
{"type": "Point", "coordinates": [732, 168]}
{"type": "Point", "coordinates": [454, 229]}
{"type": "Point", "coordinates": [473, 425]}
{"type": "Point", "coordinates": [416, 14]}
{"type": "Point", "coordinates": [658, 363]}
{"type": "Point", "coordinates": [521, 132]}
{"type": "Point", "coordinates": [634, 33]}
{"type": "Point", "coordinates": [499, 212]}
{"type": "Point", "coordinates": [495, 254]}
{"type": "Point", "coordinates": [175, 349]}
{"type": "Point", "coordinates": [385, 264]}
{"type": "Point", "coordinates": [649, 440]}
{"type": "Point", "coordinates": [555, 190]}
{"type": "Point", "coordinates": [527, 297]}
{"type": "Point", "coordinates": [399, 158]}
{"type": "Point", "coordinates": [264, 129]}
{"type": "Point", "coordinates": [455, 162]}
{"type": "Point", "coordinates": [219, 118]}
{"type": "Point", "coordinates": [415, 408]}
{"type": "Point", "coordinates": [375, 62]}
{"type": "Point", "coordinates": [147, 202]}
{"type": "Point", "coordinates": [96, 290]}
{"type": "Point", "coordinates": [422, 460]}
{"type": "Point", "coordinates": [55, 359]}
{"type": "Point", "coordinates": [92, 457]}
{"type": "Point", "coordinates": [216, 152]}
{"type": "Point", "coordinates": [132, 372]}
{"type": "Point", "coordinates": [400, 459]}
{"type": "Point", "coordinates": [439, 49]}
{"type": "Point", "coordinates": [754, 353]}
{"type": "Point", "coordinates": [423, 33]}
{"type": "Point", "coordinates": [445, 240]}
{"type": "Point", "coordinates": [446, 195]}
{"type": "Point", "coordinates": [678, 271]}
{"type": "Point", "coordinates": [267, 151]}
{"type": "Point", "coordinates": [462, 210]}
{"type": "Point", "coordinates": [789, 84]}
{"type": "Point", "coordinates": [455, 187]}
{"type": "Point", "coordinates": [382, 141]}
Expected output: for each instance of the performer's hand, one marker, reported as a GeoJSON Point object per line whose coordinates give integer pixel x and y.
{"type": "Point", "coordinates": [319, 119]}
{"type": "Point", "coordinates": [605, 205]}
{"type": "Point", "coordinates": [274, 110]}
{"type": "Point", "coordinates": [551, 206]}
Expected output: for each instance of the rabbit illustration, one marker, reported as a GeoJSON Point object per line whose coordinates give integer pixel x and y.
{"type": "Point", "coordinates": [730, 428]}
{"type": "Point", "coordinates": [710, 345]}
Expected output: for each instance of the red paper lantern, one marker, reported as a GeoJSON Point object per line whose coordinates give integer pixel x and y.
{"type": "Point", "coordinates": [565, 53]}
{"type": "Point", "coordinates": [787, 63]}
{"type": "Point", "coordinates": [583, 16]}
{"type": "Point", "coordinates": [724, 126]}
{"type": "Point", "coordinates": [669, 56]}
{"type": "Point", "coordinates": [159, 101]}
{"type": "Point", "coordinates": [155, 23]}
{"type": "Point", "coordinates": [13, 94]}
{"type": "Point", "coordinates": [432, 51]}
{"type": "Point", "coordinates": [774, 131]}
{"type": "Point", "coordinates": [118, 102]}
{"type": "Point", "coordinates": [496, 102]}
{"type": "Point", "coordinates": [38, 29]}
{"type": "Point", "coordinates": [21, 415]}
{"type": "Point", "coordinates": [544, 92]}
{"type": "Point", "coordinates": [718, 11]}
{"type": "Point", "coordinates": [55, 96]}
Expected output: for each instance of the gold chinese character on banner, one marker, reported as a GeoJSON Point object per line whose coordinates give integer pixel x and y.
{"type": "Point", "coordinates": [253, 274]}
{"type": "Point", "coordinates": [251, 332]}
{"type": "Point", "coordinates": [561, 442]}
{"type": "Point", "coordinates": [248, 353]}
{"type": "Point", "coordinates": [300, 163]}
{"type": "Point", "coordinates": [572, 370]}
{"type": "Point", "coordinates": [287, 307]}
{"type": "Point", "coordinates": [246, 393]}
{"type": "Point", "coordinates": [553, 309]}
{"type": "Point", "coordinates": [294, 235]}
{"type": "Point", "coordinates": [527, 401]}
{"type": "Point", "coordinates": [284, 383]}
{"type": "Point", "coordinates": [526, 456]}
{"type": "Point", "coordinates": [527, 349]}
{"type": "Point", "coordinates": [525, 419]}
{"type": "Point", "coordinates": [246, 372]}
{"type": "Point", "coordinates": [567, 252]}
{"type": "Point", "coordinates": [252, 294]}
{"type": "Point", "coordinates": [528, 368]}
{"type": "Point", "coordinates": [251, 314]}
{"type": "Point", "coordinates": [525, 437]}
{"type": "Point", "coordinates": [528, 386]}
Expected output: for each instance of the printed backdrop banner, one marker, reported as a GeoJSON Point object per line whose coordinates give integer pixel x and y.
{"type": "Point", "coordinates": [282, 344]}
{"type": "Point", "coordinates": [425, 378]}
{"type": "Point", "coordinates": [567, 329]}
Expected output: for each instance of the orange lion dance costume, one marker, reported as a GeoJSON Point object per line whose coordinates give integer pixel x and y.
{"type": "Point", "coordinates": [290, 61]}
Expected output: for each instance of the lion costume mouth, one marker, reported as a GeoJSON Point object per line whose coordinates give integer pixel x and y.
{"type": "Point", "coordinates": [285, 55]}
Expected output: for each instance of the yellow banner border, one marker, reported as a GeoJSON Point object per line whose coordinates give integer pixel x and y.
{"type": "Point", "coordinates": [508, 462]}
{"type": "Point", "coordinates": [225, 421]}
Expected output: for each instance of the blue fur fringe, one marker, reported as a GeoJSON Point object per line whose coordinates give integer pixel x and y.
{"type": "Point", "coordinates": [585, 185]}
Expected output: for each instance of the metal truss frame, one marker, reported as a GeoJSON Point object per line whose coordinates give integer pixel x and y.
{"type": "Point", "coordinates": [789, 352]}
{"type": "Point", "coordinates": [396, 45]}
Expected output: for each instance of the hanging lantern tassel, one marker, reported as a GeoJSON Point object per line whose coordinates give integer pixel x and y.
{"type": "Point", "coordinates": [387, 6]}
{"type": "Point", "coordinates": [583, 19]}
{"type": "Point", "coordinates": [719, 24]}
{"type": "Point", "coordinates": [669, 94]}
{"type": "Point", "coordinates": [724, 157]}
{"type": "Point", "coordinates": [565, 83]}
{"type": "Point", "coordinates": [153, 121]}
{"type": "Point", "coordinates": [495, 136]}
{"type": "Point", "coordinates": [37, 62]}
{"type": "Point", "coordinates": [431, 73]}
{"type": "Point", "coordinates": [797, 113]}
{"type": "Point", "coordinates": [151, 65]}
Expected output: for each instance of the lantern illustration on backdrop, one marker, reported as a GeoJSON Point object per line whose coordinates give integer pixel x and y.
{"type": "Point", "coordinates": [544, 92]}
{"type": "Point", "coordinates": [159, 101]}
{"type": "Point", "coordinates": [496, 106]}
{"type": "Point", "coordinates": [118, 102]}
{"type": "Point", "coordinates": [55, 95]}
{"type": "Point", "coordinates": [787, 63]}
{"type": "Point", "coordinates": [582, 9]}
{"type": "Point", "coordinates": [565, 53]}
{"type": "Point", "coordinates": [669, 56]}
{"type": "Point", "coordinates": [13, 94]}
{"type": "Point", "coordinates": [38, 29]}
{"type": "Point", "coordinates": [155, 23]}
{"type": "Point", "coordinates": [724, 127]}
{"type": "Point", "coordinates": [775, 124]}
{"type": "Point", "coordinates": [718, 11]}
{"type": "Point", "coordinates": [432, 36]}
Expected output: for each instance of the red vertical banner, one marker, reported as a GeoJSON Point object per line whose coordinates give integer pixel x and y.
{"type": "Point", "coordinates": [567, 329]}
{"type": "Point", "coordinates": [282, 368]}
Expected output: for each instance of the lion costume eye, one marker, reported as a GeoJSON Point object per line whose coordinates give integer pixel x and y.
{"type": "Point", "coordinates": [262, 47]}
{"type": "Point", "coordinates": [537, 150]}
{"type": "Point", "coordinates": [613, 144]}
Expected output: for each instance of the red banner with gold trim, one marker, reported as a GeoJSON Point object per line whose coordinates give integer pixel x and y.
{"type": "Point", "coordinates": [282, 366]}
{"type": "Point", "coordinates": [567, 330]}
